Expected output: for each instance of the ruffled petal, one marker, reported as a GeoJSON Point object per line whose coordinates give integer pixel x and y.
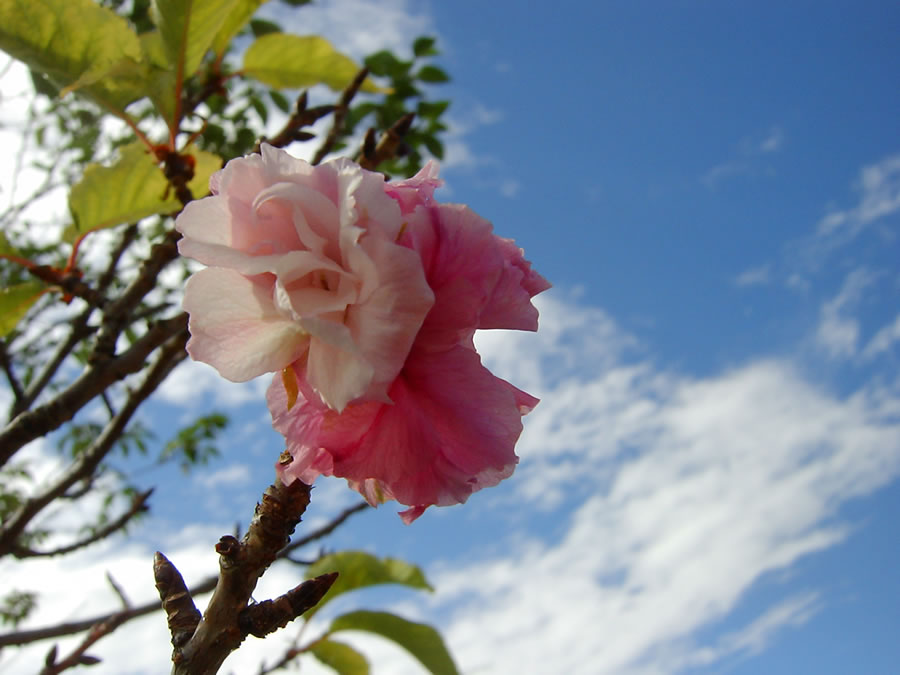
{"type": "Point", "coordinates": [236, 328]}
{"type": "Point", "coordinates": [450, 432]}
{"type": "Point", "coordinates": [509, 305]}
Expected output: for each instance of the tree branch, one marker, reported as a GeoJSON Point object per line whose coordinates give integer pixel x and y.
{"type": "Point", "coordinates": [40, 421]}
{"type": "Point", "coordinates": [117, 314]}
{"type": "Point", "coordinates": [138, 505]}
{"type": "Point", "coordinates": [224, 624]}
{"type": "Point", "coordinates": [293, 128]}
{"type": "Point", "coordinates": [170, 355]}
{"type": "Point", "coordinates": [371, 157]}
{"type": "Point", "coordinates": [340, 114]}
{"type": "Point", "coordinates": [14, 383]}
{"type": "Point", "coordinates": [207, 585]}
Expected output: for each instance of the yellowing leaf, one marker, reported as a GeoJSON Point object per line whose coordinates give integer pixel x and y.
{"type": "Point", "coordinates": [420, 640]}
{"type": "Point", "coordinates": [188, 28]}
{"type": "Point", "coordinates": [132, 188]}
{"type": "Point", "coordinates": [15, 301]}
{"type": "Point", "coordinates": [74, 42]}
{"type": "Point", "coordinates": [288, 61]}
{"type": "Point", "coordinates": [237, 18]}
{"type": "Point", "coordinates": [358, 569]}
{"type": "Point", "coordinates": [340, 657]}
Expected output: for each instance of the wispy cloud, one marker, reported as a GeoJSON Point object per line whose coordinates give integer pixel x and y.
{"type": "Point", "coordinates": [686, 491]}
{"type": "Point", "coordinates": [746, 159]}
{"type": "Point", "coordinates": [878, 186]}
{"type": "Point", "coordinates": [755, 276]}
{"type": "Point", "coordinates": [358, 27]}
{"type": "Point", "coordinates": [838, 330]}
{"type": "Point", "coordinates": [668, 498]}
{"type": "Point", "coordinates": [883, 340]}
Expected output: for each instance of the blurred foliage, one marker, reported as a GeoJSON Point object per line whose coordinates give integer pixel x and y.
{"type": "Point", "coordinates": [122, 110]}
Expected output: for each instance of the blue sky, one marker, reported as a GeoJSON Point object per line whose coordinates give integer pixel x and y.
{"type": "Point", "coordinates": [710, 482]}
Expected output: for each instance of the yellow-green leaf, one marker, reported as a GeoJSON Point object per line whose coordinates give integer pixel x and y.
{"type": "Point", "coordinates": [237, 18]}
{"type": "Point", "coordinates": [73, 42]}
{"type": "Point", "coordinates": [132, 188]}
{"type": "Point", "coordinates": [15, 301]}
{"type": "Point", "coordinates": [288, 61]}
{"type": "Point", "coordinates": [188, 28]}
{"type": "Point", "coordinates": [358, 569]}
{"type": "Point", "coordinates": [419, 639]}
{"type": "Point", "coordinates": [158, 77]}
{"type": "Point", "coordinates": [5, 247]}
{"type": "Point", "coordinates": [340, 657]}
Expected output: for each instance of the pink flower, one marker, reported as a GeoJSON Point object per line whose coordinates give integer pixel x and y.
{"type": "Point", "coordinates": [305, 270]}
{"type": "Point", "coordinates": [450, 426]}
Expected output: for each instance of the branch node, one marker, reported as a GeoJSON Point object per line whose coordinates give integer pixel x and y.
{"type": "Point", "coordinates": [181, 613]}
{"type": "Point", "coordinates": [268, 616]}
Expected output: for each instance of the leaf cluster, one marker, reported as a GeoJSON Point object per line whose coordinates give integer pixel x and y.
{"type": "Point", "coordinates": [108, 76]}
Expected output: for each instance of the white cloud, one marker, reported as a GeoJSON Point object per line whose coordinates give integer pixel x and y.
{"type": "Point", "coordinates": [772, 142]}
{"type": "Point", "coordinates": [688, 491]}
{"type": "Point", "coordinates": [194, 385]}
{"type": "Point", "coordinates": [358, 27]}
{"type": "Point", "coordinates": [233, 474]}
{"type": "Point", "coordinates": [883, 340]}
{"type": "Point", "coordinates": [838, 331]}
{"type": "Point", "coordinates": [671, 497]}
{"type": "Point", "coordinates": [755, 276]}
{"type": "Point", "coordinates": [746, 159]}
{"type": "Point", "coordinates": [879, 189]}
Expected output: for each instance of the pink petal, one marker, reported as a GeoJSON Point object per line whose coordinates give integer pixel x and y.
{"type": "Point", "coordinates": [510, 305]}
{"type": "Point", "coordinates": [236, 328]}
{"type": "Point", "coordinates": [450, 432]}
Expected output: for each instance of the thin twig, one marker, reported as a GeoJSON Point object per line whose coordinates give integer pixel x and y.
{"type": "Point", "coordinates": [340, 115]}
{"type": "Point", "coordinates": [138, 505]}
{"type": "Point", "coordinates": [42, 420]}
{"type": "Point", "coordinates": [293, 128]}
{"type": "Point", "coordinates": [118, 591]}
{"type": "Point", "coordinates": [78, 657]}
{"type": "Point", "coordinates": [387, 146]}
{"type": "Point", "coordinates": [7, 366]}
{"type": "Point", "coordinates": [323, 531]}
{"type": "Point", "coordinates": [79, 327]}
{"type": "Point", "coordinates": [207, 585]}
{"type": "Point", "coordinates": [170, 355]}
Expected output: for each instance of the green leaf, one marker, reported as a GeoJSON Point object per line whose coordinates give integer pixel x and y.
{"type": "Point", "coordinates": [188, 28]}
{"type": "Point", "coordinates": [435, 147]}
{"type": "Point", "coordinates": [420, 640]}
{"type": "Point", "coordinates": [15, 301]}
{"type": "Point", "coordinates": [386, 64]}
{"type": "Point", "coordinates": [132, 188]}
{"type": "Point", "coordinates": [340, 657]}
{"type": "Point", "coordinates": [260, 27]}
{"type": "Point", "coordinates": [237, 18]}
{"type": "Point", "coordinates": [75, 43]}
{"type": "Point", "coordinates": [432, 74]}
{"type": "Point", "coordinates": [280, 101]}
{"type": "Point", "coordinates": [5, 247]}
{"type": "Point", "coordinates": [157, 77]}
{"type": "Point", "coordinates": [358, 569]}
{"type": "Point", "coordinates": [291, 61]}
{"type": "Point", "coordinates": [424, 46]}
{"type": "Point", "coordinates": [432, 109]}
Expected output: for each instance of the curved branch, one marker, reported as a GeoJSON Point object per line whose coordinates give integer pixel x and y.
{"type": "Point", "coordinates": [32, 424]}
{"type": "Point", "coordinates": [171, 354]}
{"type": "Point", "coordinates": [138, 505]}
{"type": "Point", "coordinates": [207, 585]}
{"type": "Point", "coordinates": [340, 114]}
{"type": "Point", "coordinates": [371, 157]}
{"type": "Point", "coordinates": [241, 564]}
